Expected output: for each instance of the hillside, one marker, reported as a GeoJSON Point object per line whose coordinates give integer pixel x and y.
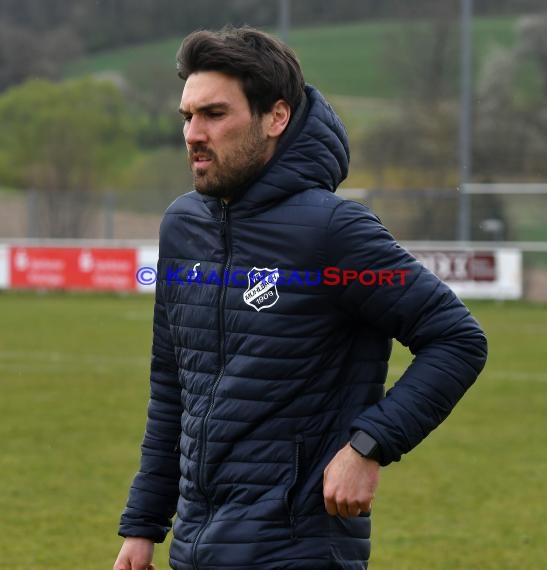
{"type": "Point", "coordinates": [351, 60]}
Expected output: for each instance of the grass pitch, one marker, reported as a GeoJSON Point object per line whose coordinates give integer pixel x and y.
{"type": "Point", "coordinates": [73, 379]}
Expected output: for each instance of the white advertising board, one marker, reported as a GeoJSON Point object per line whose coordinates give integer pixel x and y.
{"type": "Point", "coordinates": [147, 262]}
{"type": "Point", "coordinates": [4, 267]}
{"type": "Point", "coordinates": [477, 273]}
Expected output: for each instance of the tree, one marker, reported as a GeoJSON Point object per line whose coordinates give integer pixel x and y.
{"type": "Point", "coordinates": [510, 141]}
{"type": "Point", "coordinates": [424, 56]}
{"type": "Point", "coordinates": [154, 89]}
{"type": "Point", "coordinates": [532, 42]}
{"type": "Point", "coordinates": [419, 144]}
{"type": "Point", "coordinates": [64, 140]}
{"type": "Point", "coordinates": [511, 125]}
{"type": "Point", "coordinates": [24, 53]}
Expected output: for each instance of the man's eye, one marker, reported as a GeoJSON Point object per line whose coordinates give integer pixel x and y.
{"type": "Point", "coordinates": [215, 114]}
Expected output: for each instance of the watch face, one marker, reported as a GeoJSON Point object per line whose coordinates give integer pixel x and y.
{"type": "Point", "coordinates": [364, 444]}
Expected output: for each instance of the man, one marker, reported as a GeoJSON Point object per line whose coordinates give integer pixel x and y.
{"type": "Point", "coordinates": [276, 303]}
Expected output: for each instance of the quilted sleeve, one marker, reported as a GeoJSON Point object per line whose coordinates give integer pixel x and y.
{"type": "Point", "coordinates": [154, 492]}
{"type": "Point", "coordinates": [411, 304]}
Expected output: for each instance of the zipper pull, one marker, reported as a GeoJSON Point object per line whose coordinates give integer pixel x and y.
{"type": "Point", "coordinates": [223, 217]}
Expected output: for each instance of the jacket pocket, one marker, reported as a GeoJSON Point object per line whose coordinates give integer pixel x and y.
{"type": "Point", "coordinates": [290, 493]}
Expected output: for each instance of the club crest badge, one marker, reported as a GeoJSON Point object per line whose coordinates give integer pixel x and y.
{"type": "Point", "coordinates": [262, 290]}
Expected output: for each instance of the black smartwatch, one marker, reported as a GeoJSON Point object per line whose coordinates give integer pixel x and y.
{"type": "Point", "coordinates": [365, 445]}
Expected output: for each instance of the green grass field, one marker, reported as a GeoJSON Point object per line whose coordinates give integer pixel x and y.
{"type": "Point", "coordinates": [73, 380]}
{"type": "Point", "coordinates": [340, 59]}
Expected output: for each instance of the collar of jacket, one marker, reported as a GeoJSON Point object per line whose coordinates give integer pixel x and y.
{"type": "Point", "coordinates": [312, 153]}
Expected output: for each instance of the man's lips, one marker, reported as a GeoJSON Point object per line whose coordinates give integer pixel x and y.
{"type": "Point", "coordinates": [200, 160]}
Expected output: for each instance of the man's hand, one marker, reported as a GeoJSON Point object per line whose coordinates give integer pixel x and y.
{"type": "Point", "coordinates": [349, 483]}
{"type": "Point", "coordinates": [135, 554]}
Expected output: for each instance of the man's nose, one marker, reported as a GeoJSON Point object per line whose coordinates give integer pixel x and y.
{"type": "Point", "coordinates": [194, 131]}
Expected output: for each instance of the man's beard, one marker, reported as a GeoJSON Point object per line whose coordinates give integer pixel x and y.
{"type": "Point", "coordinates": [242, 164]}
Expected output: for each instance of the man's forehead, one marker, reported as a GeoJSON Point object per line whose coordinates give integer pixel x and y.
{"type": "Point", "coordinates": [207, 88]}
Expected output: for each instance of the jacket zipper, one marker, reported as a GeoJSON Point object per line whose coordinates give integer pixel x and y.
{"type": "Point", "coordinates": [224, 231]}
{"type": "Point", "coordinates": [290, 495]}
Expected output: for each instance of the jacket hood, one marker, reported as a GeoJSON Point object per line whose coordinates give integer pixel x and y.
{"type": "Point", "coordinates": [312, 153]}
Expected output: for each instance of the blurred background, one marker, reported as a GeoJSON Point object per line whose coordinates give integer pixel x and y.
{"type": "Point", "coordinates": [446, 109]}
{"type": "Point", "coordinates": [445, 104]}
{"type": "Point", "coordinates": [91, 145]}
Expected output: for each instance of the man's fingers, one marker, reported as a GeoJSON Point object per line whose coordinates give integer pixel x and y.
{"type": "Point", "coordinates": [344, 509]}
{"type": "Point", "coordinates": [347, 510]}
{"type": "Point", "coordinates": [142, 566]}
{"type": "Point", "coordinates": [330, 506]}
{"type": "Point", "coordinates": [354, 510]}
{"type": "Point", "coordinates": [133, 566]}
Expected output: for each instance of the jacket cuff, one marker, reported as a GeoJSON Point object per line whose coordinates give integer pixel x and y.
{"type": "Point", "coordinates": [385, 458]}
{"type": "Point", "coordinates": [156, 534]}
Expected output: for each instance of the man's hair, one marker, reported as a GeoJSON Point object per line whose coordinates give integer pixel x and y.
{"type": "Point", "coordinates": [267, 69]}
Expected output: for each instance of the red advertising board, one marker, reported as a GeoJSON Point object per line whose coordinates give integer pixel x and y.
{"type": "Point", "coordinates": [92, 268]}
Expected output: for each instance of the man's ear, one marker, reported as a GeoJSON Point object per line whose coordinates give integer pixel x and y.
{"type": "Point", "coordinates": [277, 119]}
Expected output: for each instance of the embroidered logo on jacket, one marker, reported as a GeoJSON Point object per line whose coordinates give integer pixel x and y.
{"type": "Point", "coordinates": [262, 290]}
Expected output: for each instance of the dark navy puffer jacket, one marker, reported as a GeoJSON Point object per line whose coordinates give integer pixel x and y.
{"type": "Point", "coordinates": [262, 366]}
